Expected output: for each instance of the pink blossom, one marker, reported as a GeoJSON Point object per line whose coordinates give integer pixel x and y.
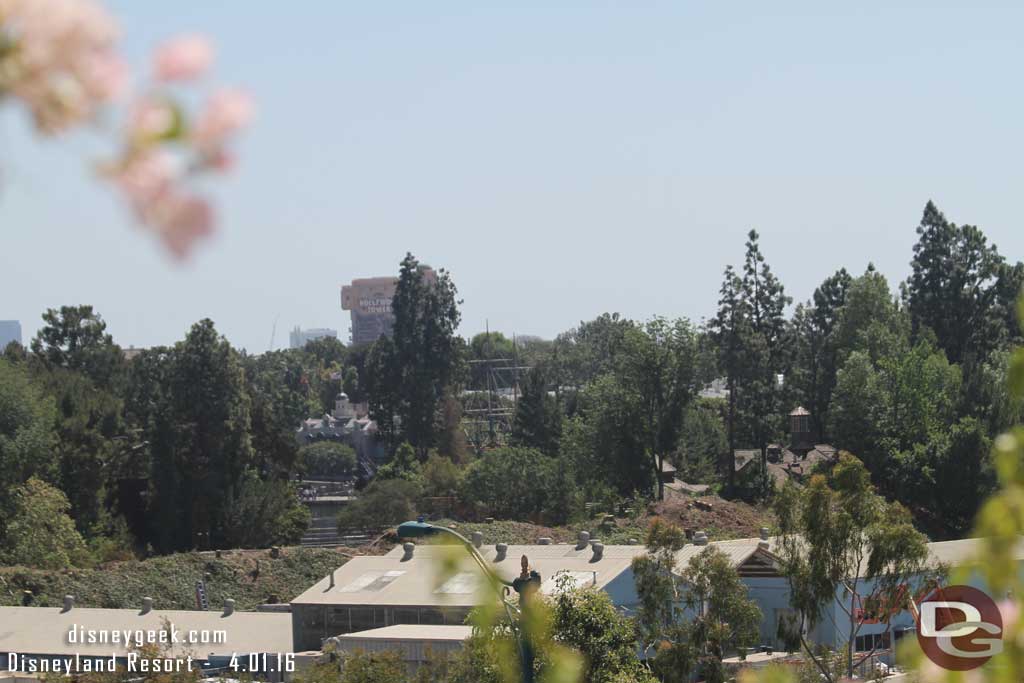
{"type": "Point", "coordinates": [183, 58]}
{"type": "Point", "coordinates": [145, 180]}
{"type": "Point", "coordinates": [183, 220]}
{"type": "Point", "coordinates": [65, 65]}
{"type": "Point", "coordinates": [226, 112]}
{"type": "Point", "coordinates": [105, 76]}
{"type": "Point", "coordinates": [150, 119]}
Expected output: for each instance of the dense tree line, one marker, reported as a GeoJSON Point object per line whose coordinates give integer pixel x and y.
{"type": "Point", "coordinates": [165, 447]}
{"type": "Point", "coordinates": [177, 447]}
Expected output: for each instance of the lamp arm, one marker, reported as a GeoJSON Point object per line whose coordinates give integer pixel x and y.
{"type": "Point", "coordinates": [475, 555]}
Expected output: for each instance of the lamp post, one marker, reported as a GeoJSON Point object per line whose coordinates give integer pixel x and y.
{"type": "Point", "coordinates": [525, 585]}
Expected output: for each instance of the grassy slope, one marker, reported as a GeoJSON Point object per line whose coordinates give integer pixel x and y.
{"type": "Point", "coordinates": [170, 580]}
{"type": "Point", "coordinates": [725, 520]}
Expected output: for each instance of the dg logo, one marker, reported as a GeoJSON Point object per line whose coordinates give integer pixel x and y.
{"type": "Point", "coordinates": [959, 628]}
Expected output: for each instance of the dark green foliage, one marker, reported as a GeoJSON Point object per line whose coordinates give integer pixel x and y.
{"type": "Point", "coordinates": [520, 483]}
{"type": "Point", "coordinates": [538, 417]}
{"type": "Point", "coordinates": [383, 503]}
{"type": "Point", "coordinates": [261, 513]}
{"type": "Point", "coordinates": [961, 288]}
{"type": "Point", "coordinates": [91, 441]}
{"type": "Point", "coordinates": [75, 337]}
{"type": "Point", "coordinates": [408, 374]}
{"type": "Point", "coordinates": [815, 346]}
{"type": "Point", "coordinates": [27, 436]}
{"type": "Point", "coordinates": [201, 441]}
{"type": "Point", "coordinates": [327, 458]}
{"type": "Point", "coordinates": [703, 441]}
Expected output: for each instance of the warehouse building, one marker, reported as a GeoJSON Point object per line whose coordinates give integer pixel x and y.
{"type": "Point", "coordinates": [60, 637]}
{"type": "Point", "coordinates": [403, 587]}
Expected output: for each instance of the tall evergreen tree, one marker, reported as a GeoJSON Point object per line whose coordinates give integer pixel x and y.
{"type": "Point", "coordinates": [765, 304]}
{"type": "Point", "coordinates": [76, 338]}
{"type": "Point", "coordinates": [729, 330]}
{"type": "Point", "coordinates": [201, 439]}
{"type": "Point", "coordinates": [538, 418]}
{"type": "Point", "coordinates": [953, 289]}
{"type": "Point", "coordinates": [421, 359]}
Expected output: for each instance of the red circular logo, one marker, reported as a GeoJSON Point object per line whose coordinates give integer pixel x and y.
{"type": "Point", "coordinates": [959, 627]}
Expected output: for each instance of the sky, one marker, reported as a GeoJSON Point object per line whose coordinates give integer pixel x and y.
{"type": "Point", "coordinates": [560, 159]}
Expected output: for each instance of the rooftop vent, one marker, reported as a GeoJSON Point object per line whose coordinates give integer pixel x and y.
{"type": "Point", "coordinates": [500, 549]}
{"type": "Point", "coordinates": [229, 607]}
{"type": "Point", "coordinates": [332, 580]}
{"type": "Point", "coordinates": [478, 539]}
{"type": "Point", "coordinates": [764, 533]}
{"type": "Point", "coordinates": [544, 540]}
{"type": "Point", "coordinates": [584, 540]}
{"type": "Point", "coordinates": [598, 549]}
{"type": "Point", "coordinates": [69, 602]}
{"type": "Point", "coordinates": [147, 605]}
{"type": "Point", "coordinates": [700, 538]}
{"type": "Point", "coordinates": [409, 548]}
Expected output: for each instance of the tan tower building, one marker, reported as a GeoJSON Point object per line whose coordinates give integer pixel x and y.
{"type": "Point", "coordinates": [369, 302]}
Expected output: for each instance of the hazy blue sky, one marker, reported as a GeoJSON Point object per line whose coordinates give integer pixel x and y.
{"type": "Point", "coordinates": [561, 159]}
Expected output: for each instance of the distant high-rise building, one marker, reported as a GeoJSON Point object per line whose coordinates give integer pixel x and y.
{"type": "Point", "coordinates": [369, 301]}
{"type": "Point", "coordinates": [10, 331]}
{"type": "Point", "coordinates": [300, 337]}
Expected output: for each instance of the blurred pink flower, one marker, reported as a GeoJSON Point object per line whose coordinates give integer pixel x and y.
{"type": "Point", "coordinates": [226, 113]}
{"type": "Point", "coordinates": [65, 65]}
{"type": "Point", "coordinates": [149, 119]}
{"type": "Point", "coordinates": [183, 58]}
{"type": "Point", "coordinates": [184, 219]}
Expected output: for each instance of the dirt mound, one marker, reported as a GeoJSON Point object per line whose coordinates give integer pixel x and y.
{"type": "Point", "coordinates": [721, 519]}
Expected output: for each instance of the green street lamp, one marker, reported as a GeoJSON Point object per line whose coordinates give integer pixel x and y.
{"type": "Point", "coordinates": [525, 584]}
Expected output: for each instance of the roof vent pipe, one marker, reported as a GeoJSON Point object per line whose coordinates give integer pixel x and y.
{"type": "Point", "coordinates": [598, 549]}
{"type": "Point", "coordinates": [147, 605]}
{"type": "Point", "coordinates": [69, 602]}
{"type": "Point", "coordinates": [700, 538]}
{"type": "Point", "coordinates": [409, 548]}
{"type": "Point", "coordinates": [332, 580]}
{"type": "Point", "coordinates": [764, 533]}
{"type": "Point", "coordinates": [478, 539]}
{"type": "Point", "coordinates": [584, 540]}
{"type": "Point", "coordinates": [229, 607]}
{"type": "Point", "coordinates": [500, 549]}
{"type": "Point", "coordinates": [544, 540]}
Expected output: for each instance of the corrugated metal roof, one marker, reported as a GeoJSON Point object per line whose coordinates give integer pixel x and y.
{"type": "Point", "coordinates": [44, 630]}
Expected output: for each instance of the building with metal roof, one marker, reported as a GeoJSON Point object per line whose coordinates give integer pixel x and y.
{"type": "Point", "coordinates": [35, 634]}
{"type": "Point", "coordinates": [405, 586]}
{"type": "Point", "coordinates": [416, 644]}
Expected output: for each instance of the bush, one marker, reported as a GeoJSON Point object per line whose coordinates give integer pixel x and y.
{"type": "Point", "coordinates": [327, 459]}
{"type": "Point", "coordinates": [441, 476]}
{"type": "Point", "coordinates": [383, 503]}
{"type": "Point", "coordinates": [262, 513]}
{"type": "Point", "coordinates": [518, 483]}
{"type": "Point", "coordinates": [40, 533]}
